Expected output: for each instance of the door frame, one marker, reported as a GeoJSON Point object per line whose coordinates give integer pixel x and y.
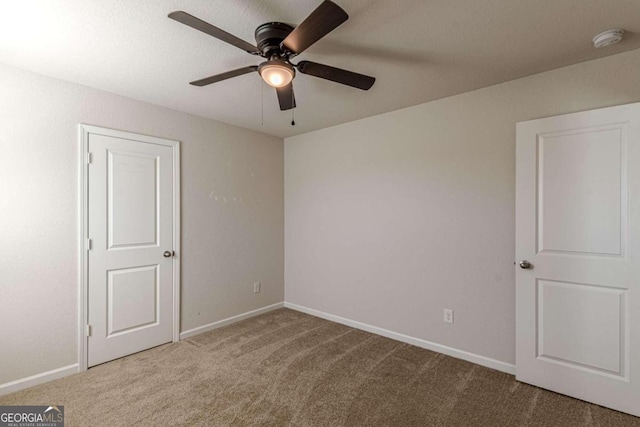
{"type": "Point", "coordinates": [84, 131]}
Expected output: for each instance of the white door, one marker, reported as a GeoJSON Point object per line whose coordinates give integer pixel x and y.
{"type": "Point", "coordinates": [578, 225]}
{"type": "Point", "coordinates": [131, 231]}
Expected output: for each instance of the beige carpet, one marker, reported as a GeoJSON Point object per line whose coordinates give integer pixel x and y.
{"type": "Point", "coordinates": [287, 368]}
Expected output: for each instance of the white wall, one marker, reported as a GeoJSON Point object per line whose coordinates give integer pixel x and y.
{"type": "Point", "coordinates": [232, 214]}
{"type": "Point", "coordinates": [390, 219]}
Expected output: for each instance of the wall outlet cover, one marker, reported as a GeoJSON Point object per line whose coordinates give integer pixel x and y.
{"type": "Point", "coordinates": [448, 315]}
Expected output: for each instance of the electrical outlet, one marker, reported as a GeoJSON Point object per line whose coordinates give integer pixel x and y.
{"type": "Point", "coordinates": [256, 288]}
{"type": "Point", "coordinates": [448, 315]}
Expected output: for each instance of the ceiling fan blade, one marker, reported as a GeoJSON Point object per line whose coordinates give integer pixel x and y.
{"type": "Point", "coordinates": [205, 27]}
{"type": "Point", "coordinates": [327, 17]}
{"type": "Point", "coordinates": [337, 75]}
{"type": "Point", "coordinates": [286, 98]}
{"type": "Point", "coordinates": [224, 76]}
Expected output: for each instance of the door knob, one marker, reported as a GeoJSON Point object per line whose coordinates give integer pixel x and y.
{"type": "Point", "coordinates": [167, 254]}
{"type": "Point", "coordinates": [525, 264]}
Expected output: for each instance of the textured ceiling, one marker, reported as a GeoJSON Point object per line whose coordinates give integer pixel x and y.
{"type": "Point", "coordinates": [419, 50]}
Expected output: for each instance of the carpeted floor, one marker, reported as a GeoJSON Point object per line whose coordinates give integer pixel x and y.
{"type": "Point", "coordinates": [288, 368]}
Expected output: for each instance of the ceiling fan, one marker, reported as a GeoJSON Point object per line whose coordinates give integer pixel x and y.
{"type": "Point", "coordinates": [278, 43]}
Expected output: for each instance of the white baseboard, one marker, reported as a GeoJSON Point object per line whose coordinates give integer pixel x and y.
{"type": "Point", "coordinates": [449, 351]}
{"type": "Point", "coordinates": [43, 377]}
{"type": "Point", "coordinates": [229, 320]}
{"type": "Point", "coordinates": [55, 374]}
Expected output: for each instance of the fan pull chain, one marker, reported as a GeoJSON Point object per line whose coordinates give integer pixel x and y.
{"type": "Point", "coordinates": [261, 104]}
{"type": "Point", "coordinates": [293, 115]}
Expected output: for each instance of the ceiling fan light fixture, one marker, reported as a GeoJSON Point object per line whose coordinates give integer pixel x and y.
{"type": "Point", "coordinates": [278, 43]}
{"type": "Point", "coordinates": [276, 73]}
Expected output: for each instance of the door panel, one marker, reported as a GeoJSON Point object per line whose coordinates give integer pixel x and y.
{"type": "Point", "coordinates": [130, 287]}
{"type": "Point", "coordinates": [578, 224]}
{"type": "Point", "coordinates": [581, 325]}
{"type": "Point", "coordinates": [133, 198]}
{"type": "Point", "coordinates": [580, 176]}
{"type": "Point", "coordinates": [132, 299]}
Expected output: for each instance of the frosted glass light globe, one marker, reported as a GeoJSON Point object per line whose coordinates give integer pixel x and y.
{"type": "Point", "coordinates": [276, 73]}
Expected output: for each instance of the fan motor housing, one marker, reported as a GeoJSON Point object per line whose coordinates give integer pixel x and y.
{"type": "Point", "coordinates": [270, 35]}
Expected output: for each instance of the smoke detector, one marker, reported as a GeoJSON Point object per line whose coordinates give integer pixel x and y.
{"type": "Point", "coordinates": [607, 38]}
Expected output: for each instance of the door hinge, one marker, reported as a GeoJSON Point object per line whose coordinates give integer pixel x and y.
{"type": "Point", "coordinates": [87, 330]}
{"type": "Point", "coordinates": [88, 244]}
{"type": "Point", "coordinates": [89, 158]}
